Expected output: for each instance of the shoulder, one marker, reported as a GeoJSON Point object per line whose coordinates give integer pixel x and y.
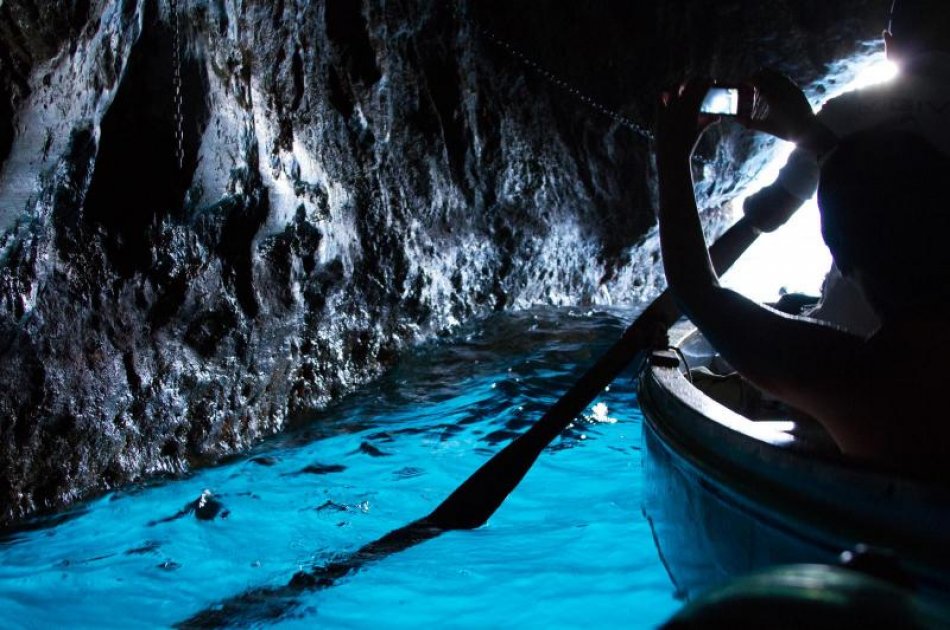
{"type": "Point", "coordinates": [914, 99]}
{"type": "Point", "coordinates": [853, 110]}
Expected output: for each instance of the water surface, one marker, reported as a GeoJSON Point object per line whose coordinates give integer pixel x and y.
{"type": "Point", "coordinates": [569, 548]}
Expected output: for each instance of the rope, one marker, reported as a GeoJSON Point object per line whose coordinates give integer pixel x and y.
{"type": "Point", "coordinates": [177, 85]}
{"type": "Point", "coordinates": [562, 83]}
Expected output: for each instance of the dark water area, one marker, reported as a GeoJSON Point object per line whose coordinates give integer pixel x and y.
{"type": "Point", "coordinates": [568, 548]}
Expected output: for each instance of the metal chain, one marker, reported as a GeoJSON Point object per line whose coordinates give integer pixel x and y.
{"type": "Point", "coordinates": [179, 117]}
{"type": "Point", "coordinates": [562, 83]}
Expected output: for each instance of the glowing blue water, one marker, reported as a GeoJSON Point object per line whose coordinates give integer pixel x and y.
{"type": "Point", "coordinates": [569, 548]}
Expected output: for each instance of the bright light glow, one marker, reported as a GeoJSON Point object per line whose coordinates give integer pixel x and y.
{"type": "Point", "coordinates": [794, 257]}
{"type": "Point", "coordinates": [600, 413]}
{"type": "Point", "coordinates": [877, 71]}
{"type": "Point", "coordinates": [782, 426]}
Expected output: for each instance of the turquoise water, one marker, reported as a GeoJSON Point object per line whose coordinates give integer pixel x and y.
{"type": "Point", "coordinates": [569, 548]}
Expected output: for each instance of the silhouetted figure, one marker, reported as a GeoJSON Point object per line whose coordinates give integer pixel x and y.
{"type": "Point", "coordinates": [917, 100]}
{"type": "Point", "coordinates": [885, 219]}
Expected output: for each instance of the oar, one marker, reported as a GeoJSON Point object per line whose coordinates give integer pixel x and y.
{"type": "Point", "coordinates": [473, 502]}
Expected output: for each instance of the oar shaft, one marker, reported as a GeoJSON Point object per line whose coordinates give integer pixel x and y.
{"type": "Point", "coordinates": [480, 495]}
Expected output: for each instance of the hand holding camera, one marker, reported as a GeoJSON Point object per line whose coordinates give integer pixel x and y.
{"type": "Point", "coordinates": [773, 103]}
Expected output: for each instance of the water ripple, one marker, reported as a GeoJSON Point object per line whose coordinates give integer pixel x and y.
{"type": "Point", "coordinates": [569, 546]}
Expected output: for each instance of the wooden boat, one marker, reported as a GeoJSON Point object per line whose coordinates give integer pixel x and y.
{"type": "Point", "coordinates": [726, 494]}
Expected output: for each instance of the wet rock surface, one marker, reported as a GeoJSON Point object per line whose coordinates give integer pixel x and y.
{"type": "Point", "coordinates": [357, 175]}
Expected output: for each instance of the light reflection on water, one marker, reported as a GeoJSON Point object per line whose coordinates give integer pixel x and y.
{"type": "Point", "coordinates": [568, 548]}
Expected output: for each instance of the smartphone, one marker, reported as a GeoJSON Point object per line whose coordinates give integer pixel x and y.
{"type": "Point", "coordinates": [728, 100]}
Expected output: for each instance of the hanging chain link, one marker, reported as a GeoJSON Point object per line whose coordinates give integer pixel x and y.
{"type": "Point", "coordinates": [562, 83]}
{"type": "Point", "coordinates": [179, 117]}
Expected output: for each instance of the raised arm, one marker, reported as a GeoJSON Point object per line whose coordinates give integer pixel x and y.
{"type": "Point", "coordinates": [782, 110]}
{"type": "Point", "coordinates": [772, 206]}
{"type": "Point", "coordinates": [800, 361]}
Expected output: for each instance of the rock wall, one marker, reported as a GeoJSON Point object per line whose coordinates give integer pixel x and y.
{"type": "Point", "coordinates": [357, 175]}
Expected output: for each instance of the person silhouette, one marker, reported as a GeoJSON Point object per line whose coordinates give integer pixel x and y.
{"type": "Point", "coordinates": [884, 217]}
{"type": "Point", "coordinates": [917, 39]}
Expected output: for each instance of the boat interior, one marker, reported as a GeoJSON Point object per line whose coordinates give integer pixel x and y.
{"type": "Point", "coordinates": [715, 379]}
{"type": "Point", "coordinates": [739, 461]}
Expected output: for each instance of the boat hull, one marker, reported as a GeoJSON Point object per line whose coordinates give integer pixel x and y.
{"type": "Point", "coordinates": [725, 495]}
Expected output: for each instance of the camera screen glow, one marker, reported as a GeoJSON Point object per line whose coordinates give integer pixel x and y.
{"type": "Point", "coordinates": [721, 101]}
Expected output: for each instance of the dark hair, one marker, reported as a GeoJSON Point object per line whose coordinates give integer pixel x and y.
{"type": "Point", "coordinates": [920, 25]}
{"type": "Point", "coordinates": [884, 211]}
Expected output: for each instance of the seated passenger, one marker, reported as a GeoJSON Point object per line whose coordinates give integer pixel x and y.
{"type": "Point", "coordinates": [885, 221]}
{"type": "Point", "coordinates": [918, 40]}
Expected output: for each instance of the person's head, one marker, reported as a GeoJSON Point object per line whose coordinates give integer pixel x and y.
{"type": "Point", "coordinates": [886, 219]}
{"type": "Point", "coordinates": [916, 26]}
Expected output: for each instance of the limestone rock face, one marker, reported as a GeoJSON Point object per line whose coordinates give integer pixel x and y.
{"type": "Point", "coordinates": [357, 175]}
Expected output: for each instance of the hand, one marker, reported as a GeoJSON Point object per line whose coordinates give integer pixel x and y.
{"type": "Point", "coordinates": [679, 123]}
{"type": "Point", "coordinates": [780, 107]}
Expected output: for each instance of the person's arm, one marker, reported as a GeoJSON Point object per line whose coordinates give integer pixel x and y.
{"type": "Point", "coordinates": [799, 361]}
{"type": "Point", "coordinates": [782, 110]}
{"type": "Point", "coordinates": [772, 206]}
